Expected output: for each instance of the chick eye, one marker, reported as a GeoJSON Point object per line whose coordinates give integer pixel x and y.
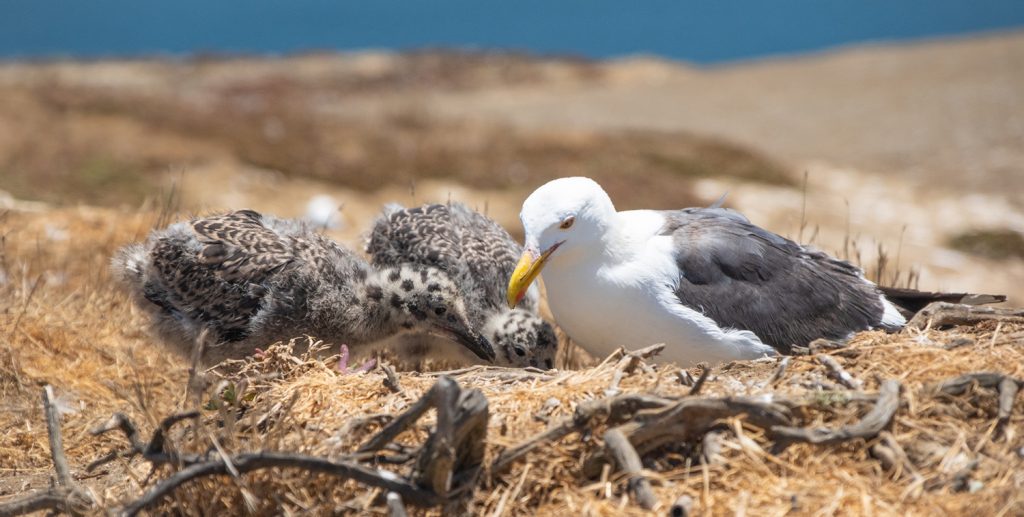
{"type": "Point", "coordinates": [567, 222]}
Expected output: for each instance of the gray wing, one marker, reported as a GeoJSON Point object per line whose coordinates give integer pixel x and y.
{"type": "Point", "coordinates": [745, 277]}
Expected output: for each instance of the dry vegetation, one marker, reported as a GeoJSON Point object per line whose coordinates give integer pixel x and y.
{"type": "Point", "coordinates": [292, 124]}
{"type": "Point", "coordinates": [97, 150]}
{"type": "Point", "coordinates": [65, 326]}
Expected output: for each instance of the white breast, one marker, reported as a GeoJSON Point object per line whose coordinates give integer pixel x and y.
{"type": "Point", "coordinates": [605, 303]}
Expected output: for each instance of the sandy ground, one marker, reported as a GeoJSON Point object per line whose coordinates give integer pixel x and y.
{"type": "Point", "coordinates": [903, 145]}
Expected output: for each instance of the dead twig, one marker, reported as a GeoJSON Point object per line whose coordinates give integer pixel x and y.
{"type": "Point", "coordinates": [868, 427]}
{"type": "Point", "coordinates": [779, 370]}
{"type": "Point", "coordinates": [688, 420]}
{"type": "Point", "coordinates": [487, 370]}
{"type": "Point", "coordinates": [825, 345]}
{"type": "Point", "coordinates": [838, 374]}
{"type": "Point", "coordinates": [619, 448]}
{"type": "Point", "coordinates": [613, 409]}
{"type": "Point", "coordinates": [711, 447]}
{"type": "Point", "coordinates": [390, 378]}
{"type": "Point", "coordinates": [891, 455]}
{"type": "Point", "coordinates": [629, 363]}
{"type": "Point", "coordinates": [60, 461]}
{"type": "Point", "coordinates": [1007, 387]}
{"type": "Point", "coordinates": [396, 508]}
{"type": "Point", "coordinates": [685, 378]}
{"type": "Point", "coordinates": [65, 495]}
{"type": "Point", "coordinates": [457, 442]}
{"type": "Point", "coordinates": [155, 451]}
{"type": "Point", "coordinates": [245, 463]}
{"type": "Point", "coordinates": [705, 372]}
{"type": "Point", "coordinates": [944, 314]}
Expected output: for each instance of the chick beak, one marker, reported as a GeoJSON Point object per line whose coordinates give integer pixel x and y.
{"type": "Point", "coordinates": [464, 334]}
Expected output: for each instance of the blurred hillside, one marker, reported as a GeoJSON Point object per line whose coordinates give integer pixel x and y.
{"type": "Point", "coordinates": [913, 148]}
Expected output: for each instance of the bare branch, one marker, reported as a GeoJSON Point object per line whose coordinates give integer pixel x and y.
{"type": "Point", "coordinates": [245, 463]}
{"type": "Point", "coordinates": [390, 378]}
{"type": "Point", "coordinates": [1008, 389]}
{"type": "Point", "coordinates": [619, 448]}
{"type": "Point", "coordinates": [943, 314]}
{"type": "Point", "coordinates": [780, 370]}
{"type": "Point", "coordinates": [66, 496]}
{"type": "Point", "coordinates": [60, 462]}
{"type": "Point", "coordinates": [705, 372]}
{"type": "Point", "coordinates": [1006, 386]}
{"type": "Point", "coordinates": [959, 385]}
{"type": "Point", "coordinates": [615, 409]}
{"type": "Point", "coordinates": [396, 508]}
{"type": "Point", "coordinates": [868, 427]}
{"type": "Point", "coordinates": [838, 374]}
{"type": "Point", "coordinates": [55, 498]}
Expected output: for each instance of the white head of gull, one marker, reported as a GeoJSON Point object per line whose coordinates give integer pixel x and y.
{"type": "Point", "coordinates": [705, 281]}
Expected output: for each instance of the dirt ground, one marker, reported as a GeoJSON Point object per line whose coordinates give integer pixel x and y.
{"type": "Point", "coordinates": [904, 147]}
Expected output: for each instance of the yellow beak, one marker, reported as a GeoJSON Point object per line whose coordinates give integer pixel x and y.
{"type": "Point", "coordinates": [526, 272]}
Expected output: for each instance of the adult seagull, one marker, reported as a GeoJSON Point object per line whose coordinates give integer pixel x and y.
{"type": "Point", "coordinates": [705, 281]}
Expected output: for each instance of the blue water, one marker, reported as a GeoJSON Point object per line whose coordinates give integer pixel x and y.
{"type": "Point", "coordinates": [702, 31]}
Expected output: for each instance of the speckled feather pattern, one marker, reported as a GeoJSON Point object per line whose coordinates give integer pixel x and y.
{"type": "Point", "coordinates": [251, 279]}
{"type": "Point", "coordinates": [480, 257]}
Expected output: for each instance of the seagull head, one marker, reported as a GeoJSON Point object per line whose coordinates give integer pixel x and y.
{"type": "Point", "coordinates": [562, 219]}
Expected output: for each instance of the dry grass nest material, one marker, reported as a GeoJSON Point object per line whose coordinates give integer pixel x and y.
{"type": "Point", "coordinates": [943, 448]}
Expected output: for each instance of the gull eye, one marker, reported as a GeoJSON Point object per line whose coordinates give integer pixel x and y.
{"type": "Point", "coordinates": [567, 222]}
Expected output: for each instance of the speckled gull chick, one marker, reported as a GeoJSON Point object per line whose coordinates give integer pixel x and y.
{"type": "Point", "coordinates": [479, 255]}
{"type": "Point", "coordinates": [252, 279]}
{"type": "Point", "coordinates": [705, 281]}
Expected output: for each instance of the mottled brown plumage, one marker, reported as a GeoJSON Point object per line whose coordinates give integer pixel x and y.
{"type": "Point", "coordinates": [250, 279]}
{"type": "Point", "coordinates": [479, 255]}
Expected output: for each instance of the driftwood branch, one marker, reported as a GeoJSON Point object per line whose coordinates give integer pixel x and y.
{"type": "Point", "coordinates": [961, 384]}
{"type": "Point", "coordinates": [705, 372]}
{"type": "Point", "coordinates": [780, 370]}
{"type": "Point", "coordinates": [155, 451]}
{"type": "Point", "coordinates": [396, 508]}
{"type": "Point", "coordinates": [868, 427]}
{"type": "Point", "coordinates": [943, 314]}
{"type": "Point", "coordinates": [688, 420]}
{"type": "Point", "coordinates": [1006, 386]}
{"type": "Point", "coordinates": [390, 378]}
{"type": "Point", "coordinates": [838, 374]}
{"type": "Point", "coordinates": [65, 495]}
{"type": "Point", "coordinates": [626, 457]}
{"type": "Point", "coordinates": [54, 498]}
{"type": "Point", "coordinates": [456, 444]}
{"type": "Point", "coordinates": [245, 463]}
{"type": "Point", "coordinates": [615, 410]}
{"type": "Point", "coordinates": [629, 363]}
